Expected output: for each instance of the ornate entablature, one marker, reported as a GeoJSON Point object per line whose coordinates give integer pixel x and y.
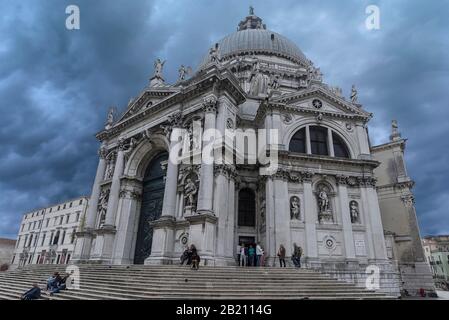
{"type": "Point", "coordinates": [300, 176]}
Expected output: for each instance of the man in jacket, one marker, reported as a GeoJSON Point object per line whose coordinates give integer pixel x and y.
{"type": "Point", "coordinates": [296, 257]}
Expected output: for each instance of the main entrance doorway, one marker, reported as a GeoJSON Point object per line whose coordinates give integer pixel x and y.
{"type": "Point", "coordinates": [152, 199]}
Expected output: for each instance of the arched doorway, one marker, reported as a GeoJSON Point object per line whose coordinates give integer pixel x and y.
{"type": "Point", "coordinates": [151, 209]}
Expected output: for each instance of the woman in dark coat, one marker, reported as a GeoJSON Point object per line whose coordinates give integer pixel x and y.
{"type": "Point", "coordinates": [195, 258]}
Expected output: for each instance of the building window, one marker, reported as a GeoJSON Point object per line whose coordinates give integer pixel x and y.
{"type": "Point", "coordinates": [71, 203]}
{"type": "Point", "coordinates": [61, 220]}
{"type": "Point", "coordinates": [35, 241]}
{"type": "Point", "coordinates": [77, 216]}
{"type": "Point", "coordinates": [340, 149]}
{"type": "Point", "coordinates": [59, 207]}
{"type": "Point", "coordinates": [63, 237]}
{"type": "Point", "coordinates": [48, 222]}
{"type": "Point", "coordinates": [81, 202]}
{"type": "Point", "coordinates": [67, 218]}
{"type": "Point", "coordinates": [56, 238]}
{"type": "Point", "coordinates": [247, 208]}
{"type": "Point", "coordinates": [72, 238]}
{"type": "Point", "coordinates": [298, 142]}
{"type": "Point", "coordinates": [51, 209]}
{"type": "Point", "coordinates": [64, 206]}
{"type": "Point", "coordinates": [43, 239]}
{"type": "Point", "coordinates": [25, 241]}
{"type": "Point", "coordinates": [318, 141]}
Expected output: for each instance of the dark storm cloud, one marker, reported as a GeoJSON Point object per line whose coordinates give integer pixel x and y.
{"type": "Point", "coordinates": [56, 85]}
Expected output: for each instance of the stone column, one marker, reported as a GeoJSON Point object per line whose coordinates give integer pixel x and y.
{"type": "Point", "coordinates": [84, 236]}
{"type": "Point", "coordinates": [206, 191]}
{"type": "Point", "coordinates": [362, 136]}
{"type": "Point", "coordinates": [282, 212]}
{"type": "Point", "coordinates": [230, 222]}
{"type": "Point", "coordinates": [377, 232]}
{"type": "Point", "coordinates": [330, 142]}
{"type": "Point", "coordinates": [310, 219]}
{"type": "Point", "coordinates": [221, 211]}
{"type": "Point", "coordinates": [171, 182]}
{"type": "Point", "coordinates": [128, 215]}
{"type": "Point", "coordinates": [162, 247]}
{"type": "Point", "coordinates": [348, 236]}
{"type": "Point", "coordinates": [105, 235]}
{"type": "Point", "coordinates": [270, 245]}
{"type": "Point", "coordinates": [308, 145]}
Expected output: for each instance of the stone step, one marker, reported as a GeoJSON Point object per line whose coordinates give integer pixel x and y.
{"type": "Point", "coordinates": [104, 295]}
{"type": "Point", "coordinates": [168, 282]}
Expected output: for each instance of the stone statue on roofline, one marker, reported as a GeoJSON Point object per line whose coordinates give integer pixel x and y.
{"type": "Point", "coordinates": [354, 94]}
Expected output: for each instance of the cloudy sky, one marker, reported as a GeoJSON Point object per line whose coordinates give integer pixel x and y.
{"type": "Point", "coordinates": [56, 85]}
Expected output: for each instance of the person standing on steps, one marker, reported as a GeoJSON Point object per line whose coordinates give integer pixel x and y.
{"type": "Point", "coordinates": [242, 256]}
{"type": "Point", "coordinates": [296, 257]}
{"type": "Point", "coordinates": [259, 253]}
{"type": "Point", "coordinates": [185, 256]}
{"type": "Point", "coordinates": [239, 249]}
{"type": "Point", "coordinates": [251, 254]}
{"type": "Point", "coordinates": [195, 258]}
{"type": "Point", "coordinates": [262, 259]}
{"type": "Point", "coordinates": [281, 255]}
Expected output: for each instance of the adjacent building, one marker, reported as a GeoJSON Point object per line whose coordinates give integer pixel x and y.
{"type": "Point", "coordinates": [436, 249]}
{"type": "Point", "coordinates": [48, 235]}
{"type": "Point", "coordinates": [7, 247]}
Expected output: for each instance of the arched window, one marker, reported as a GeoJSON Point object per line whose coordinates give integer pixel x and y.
{"type": "Point", "coordinates": [318, 141]}
{"type": "Point", "coordinates": [298, 142]}
{"type": "Point", "coordinates": [340, 149]}
{"type": "Point", "coordinates": [247, 208]}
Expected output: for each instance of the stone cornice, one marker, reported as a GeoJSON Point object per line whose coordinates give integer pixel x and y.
{"type": "Point", "coordinates": [196, 87]}
{"type": "Point", "coordinates": [390, 145]}
{"type": "Point", "coordinates": [288, 157]}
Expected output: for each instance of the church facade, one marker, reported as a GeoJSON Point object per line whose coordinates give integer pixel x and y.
{"type": "Point", "coordinates": [348, 204]}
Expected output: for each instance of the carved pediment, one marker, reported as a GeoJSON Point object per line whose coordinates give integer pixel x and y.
{"type": "Point", "coordinates": [322, 100]}
{"type": "Point", "coordinates": [147, 99]}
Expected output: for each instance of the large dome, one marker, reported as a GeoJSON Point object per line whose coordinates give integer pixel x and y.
{"type": "Point", "coordinates": [253, 38]}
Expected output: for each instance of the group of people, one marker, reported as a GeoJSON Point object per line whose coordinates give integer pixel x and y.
{"type": "Point", "coordinates": [251, 255]}
{"type": "Point", "coordinates": [296, 255]}
{"type": "Point", "coordinates": [191, 257]}
{"type": "Point", "coordinates": [55, 284]}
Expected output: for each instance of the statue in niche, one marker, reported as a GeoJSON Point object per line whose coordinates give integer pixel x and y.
{"type": "Point", "coordinates": [190, 191]}
{"type": "Point", "coordinates": [295, 208]}
{"type": "Point", "coordinates": [103, 205]}
{"type": "Point", "coordinates": [158, 66]}
{"type": "Point", "coordinates": [354, 210]}
{"type": "Point", "coordinates": [258, 81]}
{"type": "Point", "coordinates": [323, 200]}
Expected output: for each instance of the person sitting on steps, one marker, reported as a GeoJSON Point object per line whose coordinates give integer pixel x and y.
{"type": "Point", "coordinates": [32, 294]}
{"type": "Point", "coordinates": [53, 281]}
